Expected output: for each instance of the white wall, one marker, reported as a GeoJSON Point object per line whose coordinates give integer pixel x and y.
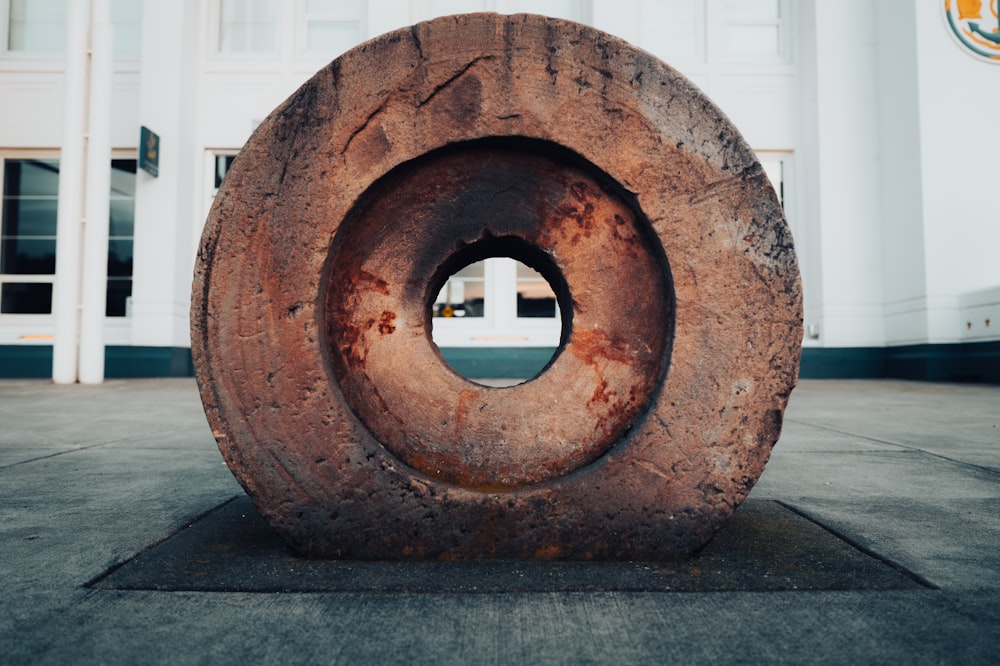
{"type": "Point", "coordinates": [165, 205]}
{"type": "Point", "coordinates": [959, 99]}
{"type": "Point", "coordinates": [900, 173]}
{"type": "Point", "coordinates": [840, 173]}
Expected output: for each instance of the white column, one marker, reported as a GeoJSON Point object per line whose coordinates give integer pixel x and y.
{"type": "Point", "coordinates": [66, 296]}
{"type": "Point", "coordinates": [502, 290]}
{"type": "Point", "coordinates": [95, 242]}
{"type": "Point", "coordinates": [839, 165]}
{"type": "Point", "coordinates": [165, 205]}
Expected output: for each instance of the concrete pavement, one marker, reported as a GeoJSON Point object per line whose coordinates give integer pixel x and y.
{"type": "Point", "coordinates": [904, 477]}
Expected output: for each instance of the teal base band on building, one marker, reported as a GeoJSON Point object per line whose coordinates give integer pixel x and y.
{"type": "Point", "coordinates": [120, 362]}
{"type": "Point", "coordinates": [969, 362]}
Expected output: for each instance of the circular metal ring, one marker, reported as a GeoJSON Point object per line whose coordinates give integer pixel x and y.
{"type": "Point", "coordinates": [346, 208]}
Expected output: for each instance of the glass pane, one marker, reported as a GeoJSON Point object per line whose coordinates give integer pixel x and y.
{"type": "Point", "coordinates": [321, 6]}
{"type": "Point", "coordinates": [669, 28]}
{"type": "Point", "coordinates": [247, 26]}
{"type": "Point", "coordinates": [448, 7]}
{"type": "Point", "coordinates": [122, 204]}
{"type": "Point", "coordinates": [28, 256]}
{"type": "Point", "coordinates": [341, 8]}
{"type": "Point", "coordinates": [222, 164]}
{"type": "Point", "coordinates": [751, 9]}
{"type": "Point", "coordinates": [460, 298]}
{"type": "Point", "coordinates": [464, 293]}
{"type": "Point", "coordinates": [119, 289]}
{"type": "Point", "coordinates": [126, 18]}
{"type": "Point", "coordinates": [29, 217]}
{"type": "Point", "coordinates": [332, 37]}
{"type": "Point", "coordinates": [26, 299]}
{"type": "Point", "coordinates": [535, 297]}
{"type": "Point", "coordinates": [37, 25]}
{"type": "Point", "coordinates": [122, 217]}
{"type": "Point", "coordinates": [123, 178]}
{"type": "Point", "coordinates": [565, 9]}
{"type": "Point", "coordinates": [31, 178]}
{"type": "Point", "coordinates": [752, 40]}
{"type": "Point", "coordinates": [120, 258]}
{"type": "Point", "coordinates": [774, 168]}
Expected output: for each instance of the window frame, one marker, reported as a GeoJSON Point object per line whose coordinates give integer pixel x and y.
{"type": "Point", "coordinates": [717, 42]}
{"type": "Point", "coordinates": [122, 155]}
{"type": "Point", "coordinates": [256, 58]}
{"type": "Point", "coordinates": [21, 56]}
{"type": "Point", "coordinates": [26, 278]}
{"type": "Point", "coordinates": [302, 51]}
{"type": "Point", "coordinates": [19, 328]}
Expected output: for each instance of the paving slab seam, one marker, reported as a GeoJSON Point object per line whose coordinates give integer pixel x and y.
{"type": "Point", "coordinates": [906, 447]}
{"type": "Point", "coordinates": [90, 584]}
{"type": "Point", "coordinates": [109, 442]}
{"type": "Point", "coordinates": [912, 575]}
{"type": "Point", "coordinates": [59, 453]}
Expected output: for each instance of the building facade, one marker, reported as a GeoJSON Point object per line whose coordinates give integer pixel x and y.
{"type": "Point", "coordinates": [874, 121]}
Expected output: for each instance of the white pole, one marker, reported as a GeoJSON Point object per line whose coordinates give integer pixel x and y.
{"type": "Point", "coordinates": [95, 241]}
{"type": "Point", "coordinates": [66, 293]}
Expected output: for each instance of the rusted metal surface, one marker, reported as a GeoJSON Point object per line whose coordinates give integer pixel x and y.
{"type": "Point", "coordinates": [493, 200]}
{"type": "Point", "coordinates": [477, 136]}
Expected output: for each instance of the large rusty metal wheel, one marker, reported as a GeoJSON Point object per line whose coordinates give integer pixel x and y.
{"type": "Point", "coordinates": [464, 138]}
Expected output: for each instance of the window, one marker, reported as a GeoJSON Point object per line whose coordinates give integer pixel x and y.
{"type": "Point", "coordinates": [709, 32]}
{"type": "Point", "coordinates": [673, 30]}
{"type": "Point", "coordinates": [463, 295]}
{"type": "Point", "coordinates": [535, 297]}
{"type": "Point", "coordinates": [754, 29]}
{"type": "Point", "coordinates": [774, 167]}
{"type": "Point", "coordinates": [247, 26]}
{"type": "Point", "coordinates": [36, 26]}
{"type": "Point", "coordinates": [496, 302]}
{"type": "Point", "coordinates": [779, 167]}
{"type": "Point", "coordinates": [222, 164]}
{"type": "Point", "coordinates": [120, 236]}
{"type": "Point", "coordinates": [330, 27]}
{"type": "Point", "coordinates": [470, 292]}
{"type": "Point", "coordinates": [28, 242]}
{"type": "Point", "coordinates": [28, 236]}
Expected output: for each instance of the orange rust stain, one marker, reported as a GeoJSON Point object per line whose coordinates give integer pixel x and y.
{"type": "Point", "coordinates": [588, 345]}
{"type": "Point", "coordinates": [579, 190]}
{"type": "Point", "coordinates": [373, 282]}
{"type": "Point", "coordinates": [623, 232]}
{"type": "Point", "coordinates": [465, 399]}
{"type": "Point", "coordinates": [385, 324]}
{"type": "Point", "coordinates": [600, 393]}
{"type": "Point", "coordinates": [548, 552]}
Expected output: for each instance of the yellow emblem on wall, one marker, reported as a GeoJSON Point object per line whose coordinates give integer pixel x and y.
{"type": "Point", "coordinates": [975, 24]}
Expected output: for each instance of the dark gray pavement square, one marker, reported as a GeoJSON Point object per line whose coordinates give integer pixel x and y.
{"type": "Point", "coordinates": [764, 547]}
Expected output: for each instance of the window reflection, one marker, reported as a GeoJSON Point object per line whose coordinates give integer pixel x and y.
{"type": "Point", "coordinates": [120, 237]}
{"type": "Point", "coordinates": [535, 297]}
{"type": "Point", "coordinates": [30, 202]}
{"type": "Point", "coordinates": [463, 295]}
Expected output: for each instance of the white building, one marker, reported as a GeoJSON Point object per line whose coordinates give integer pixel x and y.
{"type": "Point", "coordinates": [876, 120]}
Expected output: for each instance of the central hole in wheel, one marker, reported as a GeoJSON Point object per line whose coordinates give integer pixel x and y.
{"type": "Point", "coordinates": [499, 311]}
